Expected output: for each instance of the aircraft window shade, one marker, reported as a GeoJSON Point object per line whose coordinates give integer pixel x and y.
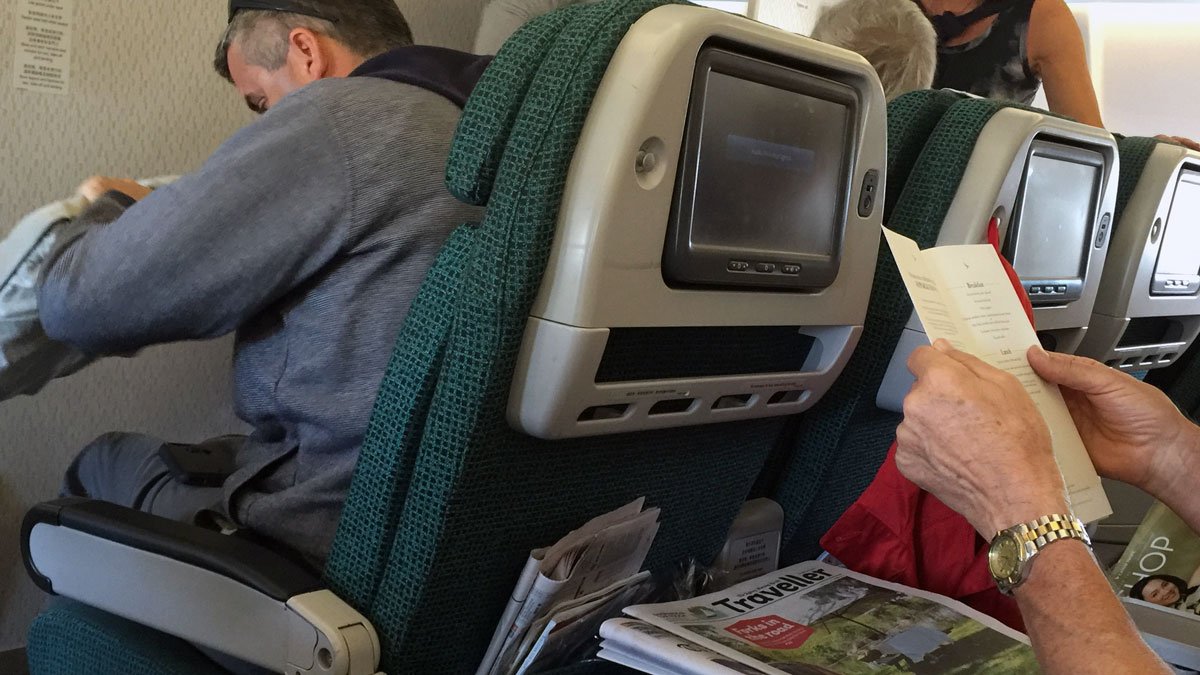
{"type": "Point", "coordinates": [1178, 269]}
{"type": "Point", "coordinates": [1054, 222]}
{"type": "Point", "coordinates": [634, 354]}
{"type": "Point", "coordinates": [764, 177]}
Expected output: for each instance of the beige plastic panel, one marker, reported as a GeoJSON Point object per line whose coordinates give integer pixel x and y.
{"type": "Point", "coordinates": [605, 267]}
{"type": "Point", "coordinates": [1124, 291]}
{"type": "Point", "coordinates": [613, 220]}
{"type": "Point", "coordinates": [991, 184]}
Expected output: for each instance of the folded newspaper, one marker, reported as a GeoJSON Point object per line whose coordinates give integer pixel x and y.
{"type": "Point", "coordinates": [1158, 578]}
{"type": "Point", "coordinates": [814, 618]}
{"type": "Point", "coordinates": [566, 591]}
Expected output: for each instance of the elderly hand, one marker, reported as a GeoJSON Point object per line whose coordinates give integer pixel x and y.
{"type": "Point", "coordinates": [1179, 140]}
{"type": "Point", "coordinates": [94, 187]}
{"type": "Point", "coordinates": [1132, 431]}
{"type": "Point", "coordinates": [972, 437]}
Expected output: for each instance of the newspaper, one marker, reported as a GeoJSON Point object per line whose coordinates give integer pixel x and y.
{"type": "Point", "coordinates": [817, 616]}
{"type": "Point", "coordinates": [606, 550]}
{"type": "Point", "coordinates": [559, 638]}
{"type": "Point", "coordinates": [650, 649]}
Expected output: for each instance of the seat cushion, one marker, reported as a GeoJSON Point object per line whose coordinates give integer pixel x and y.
{"type": "Point", "coordinates": [69, 639]}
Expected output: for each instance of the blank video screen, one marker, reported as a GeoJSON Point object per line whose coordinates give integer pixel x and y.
{"type": "Point", "coordinates": [1056, 218]}
{"type": "Point", "coordinates": [1180, 252]}
{"type": "Point", "coordinates": [770, 169]}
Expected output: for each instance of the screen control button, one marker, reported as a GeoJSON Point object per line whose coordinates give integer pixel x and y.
{"type": "Point", "coordinates": [738, 266]}
{"type": "Point", "coordinates": [1035, 290]}
{"type": "Point", "coordinates": [765, 268]}
{"type": "Point", "coordinates": [1102, 235]}
{"type": "Point", "coordinates": [1060, 289]}
{"type": "Point", "coordinates": [790, 269]}
{"type": "Point", "coordinates": [870, 187]}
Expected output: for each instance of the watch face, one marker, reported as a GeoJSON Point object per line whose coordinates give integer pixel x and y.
{"type": "Point", "coordinates": [1004, 557]}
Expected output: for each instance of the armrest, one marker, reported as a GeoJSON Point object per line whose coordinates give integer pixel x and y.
{"type": "Point", "coordinates": [221, 592]}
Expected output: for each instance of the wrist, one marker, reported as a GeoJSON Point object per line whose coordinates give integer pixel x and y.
{"type": "Point", "coordinates": [1064, 552]}
{"type": "Point", "coordinates": [1022, 506]}
{"type": "Point", "coordinates": [1172, 475]}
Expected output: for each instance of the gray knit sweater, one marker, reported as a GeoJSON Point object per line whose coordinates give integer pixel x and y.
{"type": "Point", "coordinates": [308, 233]}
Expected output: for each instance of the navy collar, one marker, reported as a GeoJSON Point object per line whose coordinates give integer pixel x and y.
{"type": "Point", "coordinates": [449, 73]}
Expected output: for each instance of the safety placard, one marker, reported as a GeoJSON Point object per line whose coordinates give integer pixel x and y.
{"type": "Point", "coordinates": [43, 45]}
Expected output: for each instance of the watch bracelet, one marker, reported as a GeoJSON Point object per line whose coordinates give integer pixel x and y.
{"type": "Point", "coordinates": [1051, 528]}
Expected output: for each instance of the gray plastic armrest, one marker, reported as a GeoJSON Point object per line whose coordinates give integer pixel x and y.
{"type": "Point", "coordinates": [227, 594]}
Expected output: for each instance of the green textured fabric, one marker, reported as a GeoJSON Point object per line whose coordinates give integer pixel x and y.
{"type": "Point", "coordinates": [481, 495]}
{"type": "Point", "coordinates": [911, 119]}
{"type": "Point", "coordinates": [1134, 152]}
{"type": "Point", "coordinates": [369, 520]}
{"type": "Point", "coordinates": [841, 443]}
{"type": "Point", "coordinates": [72, 639]}
{"type": "Point", "coordinates": [490, 113]}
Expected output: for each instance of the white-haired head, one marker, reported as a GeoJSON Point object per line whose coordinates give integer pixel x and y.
{"type": "Point", "coordinates": [893, 35]}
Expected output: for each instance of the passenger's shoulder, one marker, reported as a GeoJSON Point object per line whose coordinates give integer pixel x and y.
{"type": "Point", "coordinates": [353, 93]}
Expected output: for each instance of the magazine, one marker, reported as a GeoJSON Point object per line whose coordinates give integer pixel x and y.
{"type": "Point", "coordinates": [1162, 563]}
{"type": "Point", "coordinates": [817, 618]}
{"type": "Point", "coordinates": [1158, 579]}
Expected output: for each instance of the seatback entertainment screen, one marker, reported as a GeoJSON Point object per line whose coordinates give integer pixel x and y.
{"type": "Point", "coordinates": [763, 182]}
{"type": "Point", "coordinates": [1054, 220]}
{"type": "Point", "coordinates": [1178, 269]}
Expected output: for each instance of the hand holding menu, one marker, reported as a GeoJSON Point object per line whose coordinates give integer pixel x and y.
{"type": "Point", "coordinates": [963, 295]}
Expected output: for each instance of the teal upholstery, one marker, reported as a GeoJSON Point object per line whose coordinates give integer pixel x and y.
{"type": "Point", "coordinates": [447, 500]}
{"type": "Point", "coordinates": [492, 110]}
{"type": "Point", "coordinates": [1134, 151]}
{"type": "Point", "coordinates": [911, 119]}
{"type": "Point", "coordinates": [70, 639]}
{"type": "Point", "coordinates": [480, 495]}
{"type": "Point", "coordinates": [839, 445]}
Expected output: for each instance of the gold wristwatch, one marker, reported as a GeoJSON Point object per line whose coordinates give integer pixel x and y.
{"type": "Point", "coordinates": [1013, 550]}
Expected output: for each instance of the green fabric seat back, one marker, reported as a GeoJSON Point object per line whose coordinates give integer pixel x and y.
{"type": "Point", "coordinates": [1134, 151]}
{"type": "Point", "coordinates": [911, 119]}
{"type": "Point", "coordinates": [471, 496]}
{"type": "Point", "coordinates": [839, 445]}
{"type": "Point", "coordinates": [377, 494]}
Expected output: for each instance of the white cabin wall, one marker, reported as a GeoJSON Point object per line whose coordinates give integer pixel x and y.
{"type": "Point", "coordinates": [1141, 56]}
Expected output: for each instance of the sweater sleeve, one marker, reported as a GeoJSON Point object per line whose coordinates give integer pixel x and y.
{"type": "Point", "coordinates": [199, 257]}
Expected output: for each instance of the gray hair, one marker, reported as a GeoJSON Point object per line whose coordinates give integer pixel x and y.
{"type": "Point", "coordinates": [366, 27]}
{"type": "Point", "coordinates": [893, 35]}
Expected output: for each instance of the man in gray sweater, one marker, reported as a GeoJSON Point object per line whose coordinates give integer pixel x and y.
{"type": "Point", "coordinates": [308, 233]}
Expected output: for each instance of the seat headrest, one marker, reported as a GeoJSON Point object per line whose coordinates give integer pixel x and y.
{"type": "Point", "coordinates": [1134, 151]}
{"type": "Point", "coordinates": [491, 112]}
{"type": "Point", "coordinates": [911, 119]}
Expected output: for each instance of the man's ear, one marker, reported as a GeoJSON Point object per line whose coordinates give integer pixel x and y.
{"type": "Point", "coordinates": [306, 55]}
